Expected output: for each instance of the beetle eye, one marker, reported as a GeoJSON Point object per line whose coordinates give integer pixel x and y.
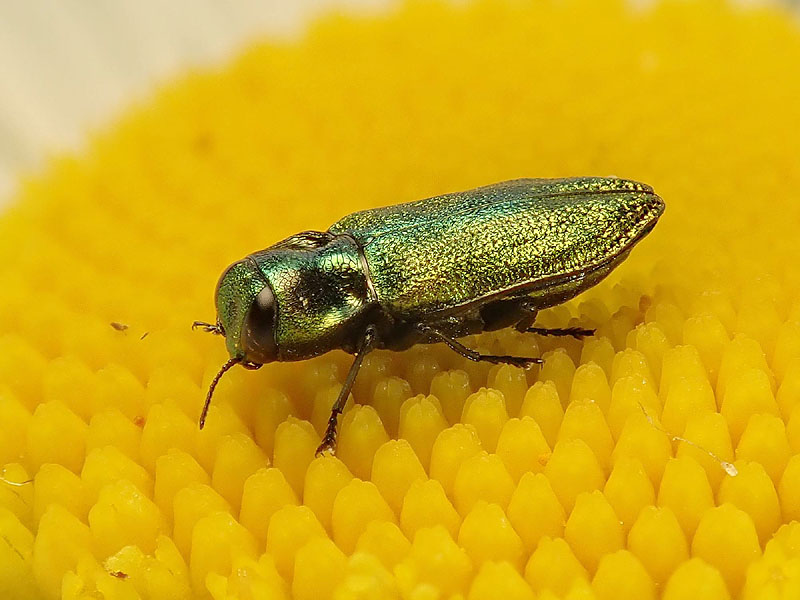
{"type": "Point", "coordinates": [258, 333]}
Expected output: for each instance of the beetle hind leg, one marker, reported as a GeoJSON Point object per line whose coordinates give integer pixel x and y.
{"type": "Point", "coordinates": [525, 325]}
{"type": "Point", "coordinates": [577, 332]}
{"type": "Point", "coordinates": [517, 361]}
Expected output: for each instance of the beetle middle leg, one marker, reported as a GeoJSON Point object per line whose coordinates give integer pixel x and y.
{"type": "Point", "coordinates": [456, 346]}
{"type": "Point", "coordinates": [329, 439]}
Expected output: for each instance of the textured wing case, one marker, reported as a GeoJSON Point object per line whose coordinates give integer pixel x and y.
{"type": "Point", "coordinates": [448, 251]}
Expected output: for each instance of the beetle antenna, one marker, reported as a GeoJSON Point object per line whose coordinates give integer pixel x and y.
{"type": "Point", "coordinates": [213, 386]}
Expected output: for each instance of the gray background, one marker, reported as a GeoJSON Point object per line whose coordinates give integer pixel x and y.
{"type": "Point", "coordinates": [69, 66]}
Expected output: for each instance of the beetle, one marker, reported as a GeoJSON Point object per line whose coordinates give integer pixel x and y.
{"type": "Point", "coordinates": [428, 271]}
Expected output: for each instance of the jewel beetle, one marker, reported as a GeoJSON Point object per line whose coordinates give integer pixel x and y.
{"type": "Point", "coordinates": [428, 271]}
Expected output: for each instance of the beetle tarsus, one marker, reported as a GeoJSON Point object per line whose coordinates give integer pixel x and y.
{"type": "Point", "coordinates": [518, 361]}
{"type": "Point", "coordinates": [328, 443]}
{"type": "Point", "coordinates": [577, 332]}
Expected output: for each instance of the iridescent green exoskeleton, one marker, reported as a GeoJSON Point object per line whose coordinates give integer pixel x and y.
{"type": "Point", "coordinates": [429, 271]}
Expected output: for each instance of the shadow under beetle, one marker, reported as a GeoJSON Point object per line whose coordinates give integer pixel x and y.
{"type": "Point", "coordinates": [429, 271]}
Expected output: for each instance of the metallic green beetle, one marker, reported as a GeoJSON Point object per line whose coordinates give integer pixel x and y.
{"type": "Point", "coordinates": [429, 271]}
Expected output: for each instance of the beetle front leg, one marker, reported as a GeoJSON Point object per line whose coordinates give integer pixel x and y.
{"type": "Point", "coordinates": [329, 439]}
{"type": "Point", "coordinates": [517, 361]}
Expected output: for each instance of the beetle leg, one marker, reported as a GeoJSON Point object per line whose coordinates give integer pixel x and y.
{"type": "Point", "coordinates": [329, 439]}
{"type": "Point", "coordinates": [517, 361]}
{"type": "Point", "coordinates": [577, 332]}
{"type": "Point", "coordinates": [525, 325]}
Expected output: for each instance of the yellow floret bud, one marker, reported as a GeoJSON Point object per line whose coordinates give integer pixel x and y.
{"type": "Point", "coordinates": [16, 574]}
{"type": "Point", "coordinates": [639, 439]}
{"type": "Point", "coordinates": [265, 493]}
{"type": "Point", "coordinates": [534, 510]}
{"type": "Point", "coordinates": [289, 529]}
{"type": "Point", "coordinates": [486, 411]}
{"type": "Point", "coordinates": [123, 515]}
{"type": "Point", "coordinates": [621, 576]}
{"type": "Point", "coordinates": [558, 368]}
{"type": "Point", "coordinates": [687, 397]}
{"type": "Point", "coordinates": [628, 490]}
{"type": "Point", "coordinates": [112, 428]}
{"type": "Point", "coordinates": [420, 422]}
{"type": "Point", "coordinates": [696, 579]}
{"type": "Point", "coordinates": [61, 541]}
{"type": "Point", "coordinates": [752, 491]}
{"type": "Point", "coordinates": [384, 540]}
{"type": "Point", "coordinates": [166, 428]}
{"type": "Point", "coordinates": [789, 490]}
{"type": "Point", "coordinates": [487, 534]}
{"type": "Point", "coordinates": [589, 383]}
{"type": "Point", "coordinates": [56, 484]}
{"type": "Point", "coordinates": [365, 577]}
{"type": "Point", "coordinates": [191, 504]}
{"type": "Point", "coordinates": [726, 538]}
{"type": "Point", "coordinates": [395, 468]}
{"type": "Point", "coordinates": [593, 529]}
{"type": "Point", "coordinates": [542, 404]}
{"type": "Point", "coordinates": [512, 384]}
{"type": "Point", "coordinates": [435, 559]}
{"type": "Point", "coordinates": [788, 396]}
{"type": "Point", "coordinates": [685, 490]}
{"type": "Point", "coordinates": [248, 578]}
{"type": "Point", "coordinates": [747, 394]}
{"type": "Point", "coordinates": [741, 354]}
{"type": "Point", "coordinates": [600, 351]}
{"type": "Point", "coordinates": [708, 335]}
{"type": "Point", "coordinates": [295, 444]}
{"type": "Point", "coordinates": [16, 419]}
{"type": "Point", "coordinates": [708, 433]}
{"type": "Point", "coordinates": [452, 447]}
{"type": "Point", "coordinates": [657, 539]}
{"type": "Point", "coordinates": [632, 363]}
{"type": "Point", "coordinates": [318, 568]}
{"type": "Point", "coordinates": [107, 465]}
{"type": "Point", "coordinates": [553, 566]}
{"type": "Point", "coordinates": [764, 441]}
{"type": "Point", "coordinates": [174, 471]}
{"type": "Point", "coordinates": [499, 580]}
{"type": "Point", "coordinates": [522, 447]}
{"type": "Point", "coordinates": [217, 541]}
{"type": "Point", "coordinates": [426, 505]}
{"type": "Point", "coordinates": [325, 476]}
{"type": "Point", "coordinates": [451, 388]}
{"type": "Point", "coordinates": [583, 420]}
{"type": "Point", "coordinates": [630, 395]}
{"type": "Point", "coordinates": [56, 435]}
{"type": "Point", "coordinates": [357, 504]}
{"type": "Point", "coordinates": [237, 458]}
{"type": "Point", "coordinates": [361, 435]}
{"type": "Point", "coordinates": [650, 340]}
{"type": "Point", "coordinates": [572, 469]}
{"type": "Point", "coordinates": [392, 392]}
{"type": "Point", "coordinates": [482, 477]}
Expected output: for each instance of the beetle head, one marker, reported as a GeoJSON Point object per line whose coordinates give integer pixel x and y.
{"type": "Point", "coordinates": [246, 314]}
